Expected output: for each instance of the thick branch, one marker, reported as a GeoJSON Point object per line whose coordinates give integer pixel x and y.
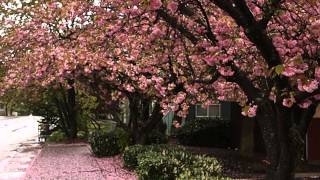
{"type": "Point", "coordinates": [173, 22]}
{"type": "Point", "coordinates": [305, 95]}
{"type": "Point", "coordinates": [306, 119]}
{"type": "Point", "coordinates": [240, 12]}
{"type": "Point", "coordinates": [246, 85]}
{"type": "Point", "coordinates": [269, 12]}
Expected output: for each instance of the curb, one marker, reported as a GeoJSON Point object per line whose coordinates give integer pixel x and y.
{"type": "Point", "coordinates": [65, 145]}
{"type": "Point", "coordinates": [32, 162]}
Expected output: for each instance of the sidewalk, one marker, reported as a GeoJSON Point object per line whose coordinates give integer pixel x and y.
{"type": "Point", "coordinates": [75, 162]}
{"type": "Point", "coordinates": [15, 165]}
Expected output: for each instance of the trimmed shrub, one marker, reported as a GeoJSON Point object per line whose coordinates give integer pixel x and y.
{"type": "Point", "coordinates": [163, 162]}
{"type": "Point", "coordinates": [202, 167]}
{"type": "Point", "coordinates": [205, 132]}
{"type": "Point", "coordinates": [158, 165]}
{"type": "Point", "coordinates": [56, 136]}
{"type": "Point", "coordinates": [131, 153]}
{"type": "Point", "coordinates": [108, 143]}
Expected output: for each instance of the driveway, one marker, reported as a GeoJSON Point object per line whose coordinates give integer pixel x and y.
{"type": "Point", "coordinates": [18, 139]}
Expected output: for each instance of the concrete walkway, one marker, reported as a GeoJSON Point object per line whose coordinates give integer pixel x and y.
{"type": "Point", "coordinates": [16, 164]}
{"type": "Point", "coordinates": [18, 145]}
{"type": "Point", "coordinates": [76, 162]}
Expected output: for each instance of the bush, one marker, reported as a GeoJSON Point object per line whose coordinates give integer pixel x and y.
{"type": "Point", "coordinates": [157, 137]}
{"type": "Point", "coordinates": [205, 132]}
{"type": "Point", "coordinates": [169, 162]}
{"type": "Point", "coordinates": [131, 153]}
{"type": "Point", "coordinates": [82, 135]}
{"type": "Point", "coordinates": [108, 143]}
{"type": "Point", "coordinates": [203, 167]}
{"type": "Point", "coordinates": [158, 165]}
{"type": "Point", "coordinates": [56, 136]}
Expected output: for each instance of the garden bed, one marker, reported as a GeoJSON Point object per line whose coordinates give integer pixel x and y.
{"type": "Point", "coordinates": [234, 165]}
{"type": "Point", "coordinates": [237, 166]}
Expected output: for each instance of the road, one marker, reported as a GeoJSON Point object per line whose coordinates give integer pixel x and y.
{"type": "Point", "coordinates": [14, 134]}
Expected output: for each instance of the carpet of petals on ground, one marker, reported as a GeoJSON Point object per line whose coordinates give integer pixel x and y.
{"type": "Point", "coordinates": [75, 161]}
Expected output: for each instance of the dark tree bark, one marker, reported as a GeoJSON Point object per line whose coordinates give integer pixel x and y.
{"type": "Point", "coordinates": [141, 121]}
{"type": "Point", "coordinates": [283, 137]}
{"type": "Point", "coordinates": [286, 164]}
{"type": "Point", "coordinates": [133, 116]}
{"type": "Point", "coordinates": [266, 119]}
{"type": "Point", "coordinates": [72, 109]}
{"type": "Point", "coordinates": [7, 110]}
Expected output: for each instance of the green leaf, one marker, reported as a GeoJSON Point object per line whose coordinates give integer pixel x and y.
{"type": "Point", "coordinates": [279, 69]}
{"type": "Point", "coordinates": [245, 109]}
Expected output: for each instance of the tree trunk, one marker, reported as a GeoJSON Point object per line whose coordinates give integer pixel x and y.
{"type": "Point", "coordinates": [247, 137]}
{"type": "Point", "coordinates": [142, 123]}
{"type": "Point", "coordinates": [286, 165]}
{"type": "Point", "coordinates": [133, 117]}
{"type": "Point", "coordinates": [266, 119]}
{"type": "Point", "coordinates": [6, 108]}
{"type": "Point", "coordinates": [72, 110]}
{"type": "Point", "coordinates": [280, 136]}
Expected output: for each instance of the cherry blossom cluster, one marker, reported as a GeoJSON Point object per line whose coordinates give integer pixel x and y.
{"type": "Point", "coordinates": [178, 53]}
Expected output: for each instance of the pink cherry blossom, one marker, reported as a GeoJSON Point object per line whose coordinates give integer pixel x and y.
{"type": "Point", "coordinates": [252, 111]}
{"type": "Point", "coordinates": [289, 71]}
{"type": "Point", "coordinates": [305, 104]}
{"type": "Point", "coordinates": [75, 161]}
{"type": "Point", "coordinates": [316, 97]}
{"type": "Point", "coordinates": [155, 4]}
{"type": "Point", "coordinates": [172, 6]}
{"type": "Point", "coordinates": [311, 86]}
{"type": "Point", "coordinates": [288, 102]}
{"type": "Point", "coordinates": [226, 71]}
{"type": "Point", "coordinates": [317, 73]}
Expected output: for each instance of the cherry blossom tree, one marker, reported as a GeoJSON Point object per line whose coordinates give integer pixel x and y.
{"type": "Point", "coordinates": [266, 49]}
{"type": "Point", "coordinates": [61, 42]}
{"type": "Point", "coordinates": [117, 56]}
{"type": "Point", "coordinates": [270, 49]}
{"type": "Point", "coordinates": [264, 54]}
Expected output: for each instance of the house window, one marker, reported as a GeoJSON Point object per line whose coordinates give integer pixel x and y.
{"type": "Point", "coordinates": [213, 110]}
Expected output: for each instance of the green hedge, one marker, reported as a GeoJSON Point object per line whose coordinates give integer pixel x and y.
{"type": "Point", "coordinates": [131, 153]}
{"type": "Point", "coordinates": [205, 132]}
{"type": "Point", "coordinates": [111, 143]}
{"type": "Point", "coordinates": [56, 136]}
{"type": "Point", "coordinates": [166, 162]}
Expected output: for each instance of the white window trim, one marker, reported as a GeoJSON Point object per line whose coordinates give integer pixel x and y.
{"type": "Point", "coordinates": [207, 116]}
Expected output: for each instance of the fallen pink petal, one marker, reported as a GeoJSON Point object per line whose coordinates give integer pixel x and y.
{"type": "Point", "coordinates": [75, 161]}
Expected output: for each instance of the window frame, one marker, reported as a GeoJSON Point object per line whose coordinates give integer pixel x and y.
{"type": "Point", "coordinates": [208, 111]}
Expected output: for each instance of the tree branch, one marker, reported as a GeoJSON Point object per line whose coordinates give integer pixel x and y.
{"type": "Point", "coordinates": [173, 22]}
{"type": "Point", "coordinates": [269, 12]}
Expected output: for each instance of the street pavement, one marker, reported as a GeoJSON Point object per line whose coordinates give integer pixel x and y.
{"type": "Point", "coordinates": [18, 145]}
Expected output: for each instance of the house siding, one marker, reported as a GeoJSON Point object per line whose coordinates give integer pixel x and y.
{"type": "Point", "coordinates": [191, 114]}
{"type": "Point", "coordinates": [225, 111]}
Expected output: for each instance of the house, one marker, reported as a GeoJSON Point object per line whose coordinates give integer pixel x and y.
{"type": "Point", "coordinates": [313, 139]}
{"type": "Point", "coordinates": [228, 112]}
{"type": "Point", "coordinates": [245, 132]}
